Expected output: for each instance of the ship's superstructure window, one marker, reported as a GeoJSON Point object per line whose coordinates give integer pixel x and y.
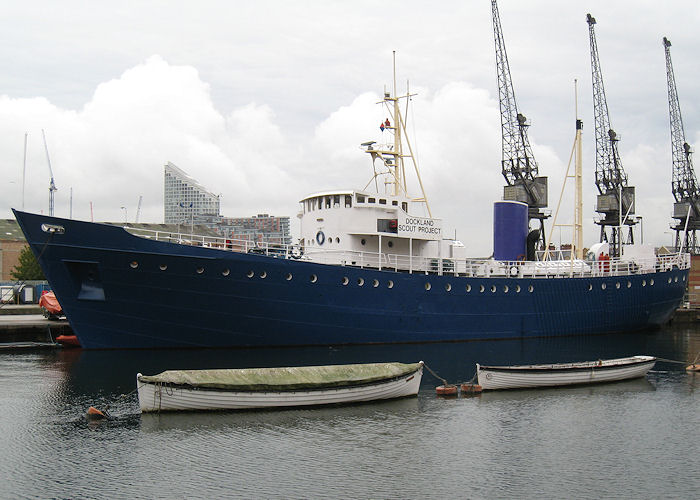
{"type": "Point", "coordinates": [394, 203]}
{"type": "Point", "coordinates": [382, 201]}
{"type": "Point", "coordinates": [348, 201]}
{"type": "Point", "coordinates": [404, 206]}
{"type": "Point", "coordinates": [360, 198]}
{"type": "Point", "coordinates": [336, 201]}
{"type": "Point", "coordinates": [371, 200]}
{"type": "Point", "coordinates": [328, 202]}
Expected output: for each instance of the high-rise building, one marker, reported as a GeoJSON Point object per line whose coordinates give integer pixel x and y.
{"type": "Point", "coordinates": [186, 201]}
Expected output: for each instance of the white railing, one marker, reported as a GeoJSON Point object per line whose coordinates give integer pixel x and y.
{"type": "Point", "coordinates": [235, 245]}
{"type": "Point", "coordinates": [432, 265]}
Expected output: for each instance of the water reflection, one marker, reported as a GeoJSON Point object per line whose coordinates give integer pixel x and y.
{"type": "Point", "coordinates": [114, 372]}
{"type": "Point", "coordinates": [567, 442]}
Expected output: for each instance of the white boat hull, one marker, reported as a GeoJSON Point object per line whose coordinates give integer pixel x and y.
{"type": "Point", "coordinates": [591, 372]}
{"type": "Point", "coordinates": [154, 397]}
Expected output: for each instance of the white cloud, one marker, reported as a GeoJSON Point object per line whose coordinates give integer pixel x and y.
{"type": "Point", "coordinates": [266, 108]}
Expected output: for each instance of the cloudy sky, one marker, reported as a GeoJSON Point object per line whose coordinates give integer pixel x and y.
{"type": "Point", "coordinates": [266, 101]}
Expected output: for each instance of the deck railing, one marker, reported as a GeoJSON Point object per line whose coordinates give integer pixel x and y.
{"type": "Point", "coordinates": [432, 265]}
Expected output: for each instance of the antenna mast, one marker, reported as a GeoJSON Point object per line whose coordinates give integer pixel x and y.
{"type": "Point", "coordinates": [52, 185]}
{"type": "Point", "coordinates": [684, 184]}
{"type": "Point", "coordinates": [517, 162]}
{"type": "Point", "coordinates": [616, 199]}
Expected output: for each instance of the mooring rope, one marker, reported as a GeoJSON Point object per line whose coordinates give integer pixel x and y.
{"type": "Point", "coordinates": [679, 362]}
{"type": "Point", "coordinates": [118, 399]}
{"type": "Point", "coordinates": [444, 382]}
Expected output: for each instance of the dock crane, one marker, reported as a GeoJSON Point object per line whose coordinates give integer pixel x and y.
{"type": "Point", "coordinates": [615, 200]}
{"type": "Point", "coordinates": [517, 162]}
{"type": "Point", "coordinates": [684, 184]}
{"type": "Point", "coordinates": [52, 184]}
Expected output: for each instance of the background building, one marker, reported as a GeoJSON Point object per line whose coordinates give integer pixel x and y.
{"type": "Point", "coordinates": [261, 228]}
{"type": "Point", "coordinates": [11, 243]}
{"type": "Point", "coordinates": [187, 202]}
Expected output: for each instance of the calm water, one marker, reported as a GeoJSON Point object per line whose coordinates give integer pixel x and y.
{"type": "Point", "coordinates": [635, 439]}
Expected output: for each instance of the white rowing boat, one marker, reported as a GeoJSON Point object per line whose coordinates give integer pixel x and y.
{"type": "Point", "coordinates": [240, 389]}
{"type": "Point", "coordinates": [586, 372]}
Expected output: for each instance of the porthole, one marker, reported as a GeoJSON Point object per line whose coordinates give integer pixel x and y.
{"type": "Point", "coordinates": [200, 270]}
{"type": "Point", "coordinates": [629, 284]}
{"type": "Point", "coordinates": [363, 241]}
{"type": "Point", "coordinates": [337, 240]}
{"type": "Point", "coordinates": [134, 264]}
{"type": "Point", "coordinates": [644, 282]}
{"type": "Point", "coordinates": [530, 289]}
{"type": "Point", "coordinates": [427, 286]}
{"type": "Point", "coordinates": [263, 275]}
{"type": "Point", "coordinates": [390, 244]}
{"type": "Point", "coordinates": [617, 285]}
{"type": "Point", "coordinates": [675, 280]}
{"type": "Point", "coordinates": [651, 282]}
{"type": "Point", "coordinates": [590, 287]}
{"type": "Point", "coordinates": [375, 283]}
{"type": "Point", "coordinates": [493, 288]}
{"type": "Point", "coordinates": [250, 274]}
{"type": "Point", "coordinates": [345, 280]}
{"type": "Point", "coordinates": [448, 287]}
{"type": "Point", "coordinates": [669, 279]}
{"type": "Point", "coordinates": [517, 288]}
{"type": "Point", "coordinates": [481, 288]}
{"type": "Point", "coordinates": [603, 286]}
{"type": "Point", "coordinates": [289, 276]}
{"type": "Point", "coordinates": [505, 289]}
{"type": "Point", "coordinates": [390, 284]}
{"type": "Point", "coordinates": [683, 277]}
{"type": "Point", "coordinates": [162, 267]}
{"type": "Point", "coordinates": [313, 278]}
{"type": "Point", "coordinates": [360, 281]}
{"type": "Point", "coordinates": [469, 288]}
{"type": "Point", "coordinates": [225, 272]}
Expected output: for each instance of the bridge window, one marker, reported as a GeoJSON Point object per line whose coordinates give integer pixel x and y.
{"type": "Point", "coordinates": [360, 198]}
{"type": "Point", "coordinates": [348, 201]}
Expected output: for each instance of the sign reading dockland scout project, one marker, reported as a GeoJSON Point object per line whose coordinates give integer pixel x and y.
{"type": "Point", "coordinates": [419, 228]}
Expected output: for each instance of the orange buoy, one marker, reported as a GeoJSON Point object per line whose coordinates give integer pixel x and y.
{"type": "Point", "coordinates": [95, 414]}
{"type": "Point", "coordinates": [471, 389]}
{"type": "Point", "coordinates": [446, 390]}
{"type": "Point", "coordinates": [68, 340]}
{"type": "Point", "coordinates": [693, 368]}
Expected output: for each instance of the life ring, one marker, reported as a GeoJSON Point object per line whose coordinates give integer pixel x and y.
{"type": "Point", "coordinates": [320, 238]}
{"type": "Point", "coordinates": [514, 271]}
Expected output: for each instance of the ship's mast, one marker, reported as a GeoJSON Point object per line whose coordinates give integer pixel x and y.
{"type": "Point", "coordinates": [392, 155]}
{"type": "Point", "coordinates": [684, 184]}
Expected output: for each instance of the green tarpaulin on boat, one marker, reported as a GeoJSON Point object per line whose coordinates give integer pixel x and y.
{"type": "Point", "coordinates": [284, 379]}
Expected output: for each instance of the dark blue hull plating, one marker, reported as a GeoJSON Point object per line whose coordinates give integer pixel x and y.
{"type": "Point", "coordinates": [122, 291]}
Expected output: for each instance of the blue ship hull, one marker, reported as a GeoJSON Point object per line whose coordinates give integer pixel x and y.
{"type": "Point", "coordinates": [123, 291]}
